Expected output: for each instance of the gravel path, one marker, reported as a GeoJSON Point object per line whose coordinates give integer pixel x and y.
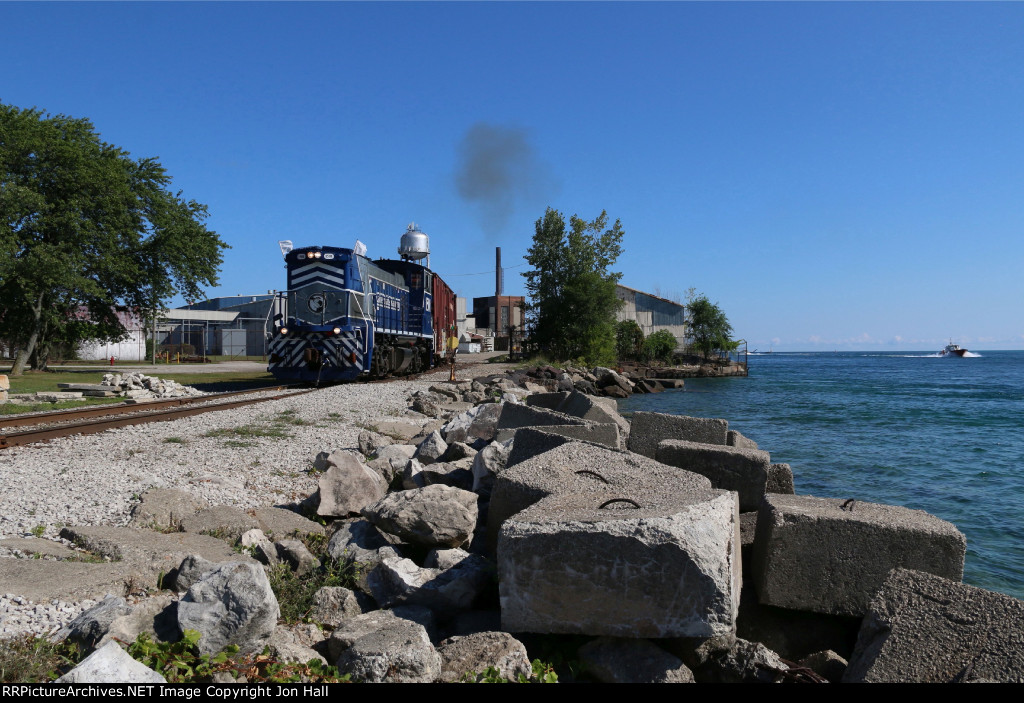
{"type": "Point", "coordinates": [250, 457]}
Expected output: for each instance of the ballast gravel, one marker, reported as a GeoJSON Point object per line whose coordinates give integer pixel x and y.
{"type": "Point", "coordinates": [255, 456]}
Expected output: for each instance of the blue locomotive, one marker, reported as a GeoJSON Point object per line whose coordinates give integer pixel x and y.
{"type": "Point", "coordinates": [344, 316]}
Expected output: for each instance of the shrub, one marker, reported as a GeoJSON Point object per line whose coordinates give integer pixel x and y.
{"type": "Point", "coordinates": [659, 346]}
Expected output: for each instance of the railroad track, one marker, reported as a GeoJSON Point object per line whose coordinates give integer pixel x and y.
{"type": "Point", "coordinates": [62, 423]}
{"type": "Point", "coordinates": [99, 418]}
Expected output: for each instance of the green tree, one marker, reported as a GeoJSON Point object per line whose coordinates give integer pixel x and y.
{"type": "Point", "coordinates": [629, 339]}
{"type": "Point", "coordinates": [709, 328]}
{"type": "Point", "coordinates": [85, 231]}
{"type": "Point", "coordinates": [572, 305]}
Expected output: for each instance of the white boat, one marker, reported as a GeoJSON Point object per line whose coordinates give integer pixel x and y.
{"type": "Point", "coordinates": [952, 350]}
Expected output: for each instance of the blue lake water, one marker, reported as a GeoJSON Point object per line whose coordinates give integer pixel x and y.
{"type": "Point", "coordinates": [945, 435]}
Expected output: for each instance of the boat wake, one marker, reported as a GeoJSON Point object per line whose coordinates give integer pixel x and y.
{"type": "Point", "coordinates": [940, 355]}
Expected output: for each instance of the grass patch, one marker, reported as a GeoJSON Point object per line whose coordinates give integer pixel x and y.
{"type": "Point", "coordinates": [248, 432]}
{"type": "Point", "coordinates": [289, 417]}
{"type": "Point", "coordinates": [174, 440]}
{"type": "Point", "coordinates": [32, 659]}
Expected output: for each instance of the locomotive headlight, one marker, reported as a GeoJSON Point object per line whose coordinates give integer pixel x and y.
{"type": "Point", "coordinates": [316, 255]}
{"type": "Point", "coordinates": [337, 330]}
{"type": "Point", "coordinates": [284, 330]}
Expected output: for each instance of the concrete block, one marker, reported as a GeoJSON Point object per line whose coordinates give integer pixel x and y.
{"type": "Point", "coordinates": [924, 628]}
{"type": "Point", "coordinates": [515, 415]}
{"type": "Point", "coordinates": [670, 568]}
{"type": "Point", "coordinates": [587, 407]}
{"type": "Point", "coordinates": [548, 401]}
{"type": "Point", "coordinates": [604, 434]}
{"type": "Point", "coordinates": [735, 439]}
{"type": "Point", "coordinates": [648, 429]}
{"type": "Point", "coordinates": [729, 468]}
{"type": "Point", "coordinates": [576, 467]}
{"type": "Point", "coordinates": [532, 441]}
{"type": "Point", "coordinates": [780, 479]}
{"type": "Point", "coordinates": [831, 556]}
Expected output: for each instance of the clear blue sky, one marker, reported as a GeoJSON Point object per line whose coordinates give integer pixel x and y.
{"type": "Point", "coordinates": [842, 176]}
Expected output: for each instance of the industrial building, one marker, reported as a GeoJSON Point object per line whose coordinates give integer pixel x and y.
{"type": "Point", "coordinates": [652, 313]}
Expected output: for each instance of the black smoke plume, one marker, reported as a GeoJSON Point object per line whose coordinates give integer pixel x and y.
{"type": "Point", "coordinates": [497, 168]}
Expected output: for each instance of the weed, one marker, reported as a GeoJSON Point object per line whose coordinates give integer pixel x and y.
{"type": "Point", "coordinates": [32, 659]}
{"type": "Point", "coordinates": [38, 530]}
{"type": "Point", "coordinates": [542, 673]}
{"type": "Point", "coordinates": [289, 417]}
{"type": "Point", "coordinates": [235, 443]}
{"type": "Point", "coordinates": [295, 593]}
{"type": "Point", "coordinates": [248, 431]}
{"type": "Point", "coordinates": [174, 440]}
{"type": "Point", "coordinates": [182, 662]}
{"type": "Point", "coordinates": [219, 533]}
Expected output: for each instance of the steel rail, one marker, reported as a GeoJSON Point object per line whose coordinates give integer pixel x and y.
{"type": "Point", "coordinates": [122, 408]}
{"type": "Point", "coordinates": [44, 434]}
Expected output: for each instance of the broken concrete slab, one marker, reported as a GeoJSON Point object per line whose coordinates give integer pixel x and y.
{"type": "Point", "coordinates": [593, 563]}
{"type": "Point", "coordinates": [647, 430]}
{"type": "Point", "coordinates": [221, 521]}
{"type": "Point", "coordinates": [729, 468]}
{"type": "Point", "coordinates": [142, 555]}
{"type": "Point", "coordinates": [922, 628]}
{"type": "Point", "coordinates": [85, 387]}
{"type": "Point", "coordinates": [281, 522]}
{"type": "Point", "coordinates": [57, 396]}
{"type": "Point", "coordinates": [41, 581]}
{"type": "Point", "coordinates": [40, 546]}
{"type": "Point", "coordinates": [831, 556]}
{"type": "Point", "coordinates": [397, 429]}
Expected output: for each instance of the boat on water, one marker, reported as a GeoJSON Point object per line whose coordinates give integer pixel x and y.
{"type": "Point", "coordinates": [952, 350]}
